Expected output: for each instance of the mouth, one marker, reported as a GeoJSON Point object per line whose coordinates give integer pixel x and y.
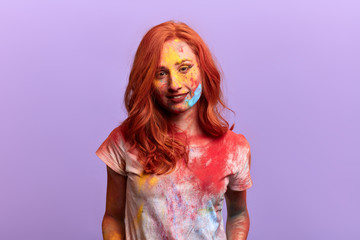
{"type": "Point", "coordinates": [178, 98]}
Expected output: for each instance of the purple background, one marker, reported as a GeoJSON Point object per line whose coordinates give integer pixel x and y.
{"type": "Point", "coordinates": [291, 74]}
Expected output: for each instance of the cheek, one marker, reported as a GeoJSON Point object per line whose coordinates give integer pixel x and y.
{"type": "Point", "coordinates": [160, 87]}
{"type": "Point", "coordinates": [194, 78]}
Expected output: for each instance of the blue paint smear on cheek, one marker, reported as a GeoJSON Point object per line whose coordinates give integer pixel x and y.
{"type": "Point", "coordinates": [196, 96]}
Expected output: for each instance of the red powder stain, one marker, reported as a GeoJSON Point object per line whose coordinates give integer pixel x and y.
{"type": "Point", "coordinates": [211, 176]}
{"type": "Point", "coordinates": [181, 49]}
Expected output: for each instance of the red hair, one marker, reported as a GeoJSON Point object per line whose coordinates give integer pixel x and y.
{"type": "Point", "coordinates": [146, 127]}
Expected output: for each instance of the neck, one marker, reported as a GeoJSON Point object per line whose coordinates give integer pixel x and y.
{"type": "Point", "coordinates": [188, 122]}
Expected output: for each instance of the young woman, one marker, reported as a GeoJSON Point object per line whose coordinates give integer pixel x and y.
{"type": "Point", "coordinates": [172, 162]}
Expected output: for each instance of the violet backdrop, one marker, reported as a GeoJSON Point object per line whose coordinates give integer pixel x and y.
{"type": "Point", "coordinates": [291, 74]}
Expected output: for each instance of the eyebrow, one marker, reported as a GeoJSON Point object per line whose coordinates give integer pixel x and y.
{"type": "Point", "coordinates": [177, 63]}
{"type": "Point", "coordinates": [183, 60]}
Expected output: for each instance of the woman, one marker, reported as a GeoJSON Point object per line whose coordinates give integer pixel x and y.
{"type": "Point", "coordinates": [172, 161]}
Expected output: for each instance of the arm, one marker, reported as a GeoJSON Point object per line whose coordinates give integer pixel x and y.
{"type": "Point", "coordinates": [113, 224]}
{"type": "Point", "coordinates": [238, 222]}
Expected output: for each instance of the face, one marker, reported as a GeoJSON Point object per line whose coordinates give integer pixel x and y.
{"type": "Point", "coordinates": [178, 73]}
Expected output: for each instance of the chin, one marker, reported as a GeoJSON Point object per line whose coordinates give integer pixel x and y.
{"type": "Point", "coordinates": [177, 111]}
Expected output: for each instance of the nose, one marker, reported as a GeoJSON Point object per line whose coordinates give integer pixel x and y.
{"type": "Point", "coordinates": [174, 82]}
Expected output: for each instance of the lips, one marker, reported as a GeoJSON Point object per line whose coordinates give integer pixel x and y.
{"type": "Point", "coordinates": [178, 97]}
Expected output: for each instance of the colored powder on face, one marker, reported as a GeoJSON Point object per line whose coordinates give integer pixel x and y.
{"type": "Point", "coordinates": [196, 96]}
{"type": "Point", "coordinates": [170, 54]}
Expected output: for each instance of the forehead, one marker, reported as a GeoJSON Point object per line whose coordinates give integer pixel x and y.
{"type": "Point", "coordinates": [174, 51]}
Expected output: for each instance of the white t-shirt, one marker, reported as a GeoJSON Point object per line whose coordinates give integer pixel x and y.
{"type": "Point", "coordinates": [187, 203]}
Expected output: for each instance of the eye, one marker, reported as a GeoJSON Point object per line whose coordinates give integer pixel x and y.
{"type": "Point", "coordinates": [185, 68]}
{"type": "Point", "coordinates": [161, 74]}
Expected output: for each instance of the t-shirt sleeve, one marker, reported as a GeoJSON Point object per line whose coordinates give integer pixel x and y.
{"type": "Point", "coordinates": [112, 152]}
{"type": "Point", "coordinates": [241, 180]}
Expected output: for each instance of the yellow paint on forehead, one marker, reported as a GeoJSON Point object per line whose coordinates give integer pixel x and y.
{"type": "Point", "coordinates": [174, 51]}
{"type": "Point", "coordinates": [170, 55]}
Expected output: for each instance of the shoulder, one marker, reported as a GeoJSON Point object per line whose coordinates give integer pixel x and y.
{"type": "Point", "coordinates": [117, 132]}
{"type": "Point", "coordinates": [242, 151]}
{"type": "Point", "coordinates": [238, 139]}
{"type": "Point", "coordinates": [117, 136]}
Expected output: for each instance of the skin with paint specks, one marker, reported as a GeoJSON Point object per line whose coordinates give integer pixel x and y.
{"type": "Point", "coordinates": [178, 73]}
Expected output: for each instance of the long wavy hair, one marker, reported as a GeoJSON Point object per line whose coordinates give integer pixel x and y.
{"type": "Point", "coordinates": [146, 127]}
